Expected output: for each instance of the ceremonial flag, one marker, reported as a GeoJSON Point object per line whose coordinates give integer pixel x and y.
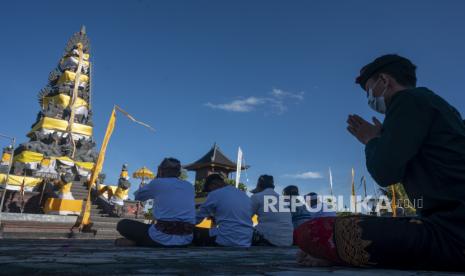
{"type": "Point", "coordinates": [353, 190]}
{"type": "Point", "coordinates": [330, 182]}
{"type": "Point", "coordinates": [129, 116]}
{"type": "Point", "coordinates": [393, 203]}
{"type": "Point", "coordinates": [239, 166]}
{"type": "Point", "coordinates": [364, 182]}
{"type": "Point", "coordinates": [101, 157]}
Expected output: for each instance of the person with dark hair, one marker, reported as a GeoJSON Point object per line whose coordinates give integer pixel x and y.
{"type": "Point", "coordinates": [302, 214]}
{"type": "Point", "coordinates": [173, 210]}
{"type": "Point", "coordinates": [291, 190]}
{"type": "Point", "coordinates": [229, 209]}
{"type": "Point", "coordinates": [421, 144]}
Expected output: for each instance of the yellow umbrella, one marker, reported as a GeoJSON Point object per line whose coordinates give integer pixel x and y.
{"type": "Point", "coordinates": [143, 173]}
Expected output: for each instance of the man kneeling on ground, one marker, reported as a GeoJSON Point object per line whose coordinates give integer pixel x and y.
{"type": "Point", "coordinates": [173, 210]}
{"type": "Point", "coordinates": [229, 209]}
{"type": "Point", "coordinates": [421, 144]}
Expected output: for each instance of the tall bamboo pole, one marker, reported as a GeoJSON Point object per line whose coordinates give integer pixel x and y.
{"type": "Point", "coordinates": [13, 142]}
{"type": "Point", "coordinates": [354, 197]}
{"type": "Point", "coordinates": [393, 203]}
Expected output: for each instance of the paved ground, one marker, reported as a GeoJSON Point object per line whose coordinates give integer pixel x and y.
{"type": "Point", "coordinates": [84, 257]}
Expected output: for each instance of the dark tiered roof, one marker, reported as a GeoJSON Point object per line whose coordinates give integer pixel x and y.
{"type": "Point", "coordinates": [213, 158]}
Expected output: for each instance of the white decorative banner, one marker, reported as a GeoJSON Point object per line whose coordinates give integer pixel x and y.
{"type": "Point", "coordinates": [239, 166]}
{"type": "Point", "coordinates": [330, 182]}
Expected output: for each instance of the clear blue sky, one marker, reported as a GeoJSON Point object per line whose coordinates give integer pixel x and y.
{"type": "Point", "coordinates": [274, 77]}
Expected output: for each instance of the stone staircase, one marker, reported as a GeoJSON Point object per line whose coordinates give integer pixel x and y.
{"type": "Point", "coordinates": [38, 226]}
{"type": "Point", "coordinates": [103, 223]}
{"type": "Point", "coordinates": [79, 190]}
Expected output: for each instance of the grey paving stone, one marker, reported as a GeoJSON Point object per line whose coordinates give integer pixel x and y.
{"type": "Point", "coordinates": [91, 257]}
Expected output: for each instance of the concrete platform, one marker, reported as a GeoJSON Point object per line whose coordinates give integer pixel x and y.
{"type": "Point", "coordinates": [84, 257]}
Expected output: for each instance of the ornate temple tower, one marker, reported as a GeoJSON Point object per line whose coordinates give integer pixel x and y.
{"type": "Point", "coordinates": [61, 137]}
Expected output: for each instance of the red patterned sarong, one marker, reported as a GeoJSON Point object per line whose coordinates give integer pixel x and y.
{"type": "Point", "coordinates": [316, 237]}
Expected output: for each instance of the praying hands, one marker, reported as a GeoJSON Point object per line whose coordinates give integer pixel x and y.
{"type": "Point", "coordinates": [363, 130]}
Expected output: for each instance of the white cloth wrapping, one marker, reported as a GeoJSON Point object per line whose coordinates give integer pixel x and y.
{"type": "Point", "coordinates": [64, 134]}
{"type": "Point", "coordinates": [117, 201]}
{"type": "Point", "coordinates": [75, 53]}
{"type": "Point", "coordinates": [32, 165]}
{"type": "Point", "coordinates": [82, 172]}
{"type": "Point", "coordinates": [65, 195]}
{"type": "Point", "coordinates": [71, 63]}
{"type": "Point", "coordinates": [67, 163]}
{"type": "Point", "coordinates": [82, 110]}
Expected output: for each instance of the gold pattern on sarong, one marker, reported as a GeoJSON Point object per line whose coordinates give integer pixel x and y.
{"type": "Point", "coordinates": [351, 248]}
{"type": "Point", "coordinates": [416, 221]}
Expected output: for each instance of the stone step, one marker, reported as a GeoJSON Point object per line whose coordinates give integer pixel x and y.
{"type": "Point", "coordinates": [105, 218]}
{"type": "Point", "coordinates": [79, 191]}
{"type": "Point", "coordinates": [103, 235]}
{"type": "Point", "coordinates": [106, 231]}
{"type": "Point", "coordinates": [79, 195]}
{"type": "Point", "coordinates": [83, 194]}
{"type": "Point", "coordinates": [98, 213]}
{"type": "Point", "coordinates": [77, 186]}
{"type": "Point", "coordinates": [45, 235]}
{"type": "Point", "coordinates": [104, 224]}
{"type": "Point", "coordinates": [96, 208]}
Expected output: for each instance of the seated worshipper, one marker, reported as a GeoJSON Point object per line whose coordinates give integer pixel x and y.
{"type": "Point", "coordinates": [173, 210]}
{"type": "Point", "coordinates": [229, 209]}
{"type": "Point", "coordinates": [421, 144]}
{"type": "Point", "coordinates": [318, 208]}
{"type": "Point", "coordinates": [301, 213]}
{"type": "Point", "coordinates": [274, 226]}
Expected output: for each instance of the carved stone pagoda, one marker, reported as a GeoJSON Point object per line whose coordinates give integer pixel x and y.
{"type": "Point", "coordinates": [62, 132]}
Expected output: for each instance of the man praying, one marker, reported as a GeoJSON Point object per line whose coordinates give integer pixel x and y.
{"type": "Point", "coordinates": [173, 210]}
{"type": "Point", "coordinates": [229, 209]}
{"type": "Point", "coordinates": [421, 144]}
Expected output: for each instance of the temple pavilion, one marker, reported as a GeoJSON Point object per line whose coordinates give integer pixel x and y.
{"type": "Point", "coordinates": [214, 161]}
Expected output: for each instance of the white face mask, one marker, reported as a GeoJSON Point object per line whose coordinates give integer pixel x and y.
{"type": "Point", "coordinates": [378, 104]}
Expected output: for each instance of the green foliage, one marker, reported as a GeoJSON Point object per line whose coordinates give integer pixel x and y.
{"type": "Point", "coordinates": [344, 214]}
{"type": "Point", "coordinates": [232, 182]}
{"type": "Point", "coordinates": [149, 215]}
{"type": "Point", "coordinates": [183, 175]}
{"type": "Point", "coordinates": [199, 186]}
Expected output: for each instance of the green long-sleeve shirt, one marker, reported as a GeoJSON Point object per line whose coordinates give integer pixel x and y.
{"type": "Point", "coordinates": [422, 145]}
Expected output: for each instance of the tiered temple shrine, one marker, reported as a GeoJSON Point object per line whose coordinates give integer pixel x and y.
{"type": "Point", "coordinates": [47, 180]}
{"type": "Point", "coordinates": [214, 161]}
